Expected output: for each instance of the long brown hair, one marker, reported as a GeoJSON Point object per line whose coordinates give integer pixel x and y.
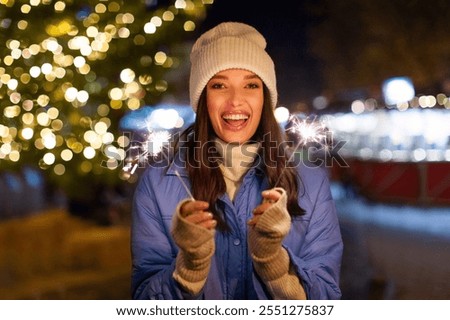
{"type": "Point", "coordinates": [206, 178]}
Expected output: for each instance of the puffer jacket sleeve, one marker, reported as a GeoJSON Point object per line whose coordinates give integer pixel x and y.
{"type": "Point", "coordinates": [318, 261]}
{"type": "Point", "coordinates": [153, 250]}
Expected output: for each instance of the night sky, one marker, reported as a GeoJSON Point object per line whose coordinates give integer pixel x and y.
{"type": "Point", "coordinates": [283, 24]}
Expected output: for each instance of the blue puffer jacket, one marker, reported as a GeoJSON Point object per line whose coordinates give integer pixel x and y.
{"type": "Point", "coordinates": [314, 242]}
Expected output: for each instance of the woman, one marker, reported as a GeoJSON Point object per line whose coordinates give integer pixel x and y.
{"type": "Point", "coordinates": [256, 226]}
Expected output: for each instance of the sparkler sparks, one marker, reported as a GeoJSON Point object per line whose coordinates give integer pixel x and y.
{"type": "Point", "coordinates": [307, 131]}
{"type": "Point", "coordinates": [153, 146]}
{"type": "Point", "coordinates": [155, 143]}
{"type": "Point", "coordinates": [139, 153]}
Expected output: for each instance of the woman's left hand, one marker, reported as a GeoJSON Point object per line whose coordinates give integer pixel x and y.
{"type": "Point", "coordinates": [269, 197]}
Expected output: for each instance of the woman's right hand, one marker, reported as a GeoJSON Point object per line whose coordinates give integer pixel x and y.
{"type": "Point", "coordinates": [196, 212]}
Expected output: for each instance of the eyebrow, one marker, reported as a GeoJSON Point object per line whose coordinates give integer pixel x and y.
{"type": "Point", "coordinates": [247, 77]}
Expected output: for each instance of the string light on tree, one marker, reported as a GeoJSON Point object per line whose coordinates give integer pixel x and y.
{"type": "Point", "coordinates": [68, 78]}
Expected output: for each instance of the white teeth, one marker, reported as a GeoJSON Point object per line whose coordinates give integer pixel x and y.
{"type": "Point", "coordinates": [235, 117]}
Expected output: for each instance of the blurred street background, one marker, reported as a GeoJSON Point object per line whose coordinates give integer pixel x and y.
{"type": "Point", "coordinates": [91, 91]}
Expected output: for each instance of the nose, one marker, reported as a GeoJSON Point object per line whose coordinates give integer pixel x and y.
{"type": "Point", "coordinates": [235, 97]}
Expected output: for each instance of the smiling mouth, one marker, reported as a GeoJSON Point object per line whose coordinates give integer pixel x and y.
{"type": "Point", "coordinates": [235, 119]}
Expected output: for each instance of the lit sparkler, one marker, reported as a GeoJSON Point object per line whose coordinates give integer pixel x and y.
{"type": "Point", "coordinates": [307, 131]}
{"type": "Point", "coordinates": [139, 153]}
{"type": "Point", "coordinates": [153, 146]}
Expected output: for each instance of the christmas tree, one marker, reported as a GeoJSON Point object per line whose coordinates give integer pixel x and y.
{"type": "Point", "coordinates": [70, 70]}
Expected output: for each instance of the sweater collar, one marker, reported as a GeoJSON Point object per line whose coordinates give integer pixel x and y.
{"type": "Point", "coordinates": [236, 158]}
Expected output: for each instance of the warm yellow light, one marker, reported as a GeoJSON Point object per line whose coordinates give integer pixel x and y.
{"type": "Point", "coordinates": [82, 96]}
{"type": "Point", "coordinates": [51, 44]}
{"type": "Point", "coordinates": [43, 119]}
{"type": "Point", "coordinates": [49, 141]}
{"type": "Point", "coordinates": [4, 78]}
{"type": "Point", "coordinates": [26, 53]}
{"type": "Point", "coordinates": [189, 26]}
{"type": "Point", "coordinates": [60, 6]}
{"type": "Point", "coordinates": [180, 4]}
{"type": "Point", "coordinates": [6, 148]}
{"type": "Point", "coordinates": [60, 73]}
{"type": "Point", "coordinates": [27, 133]}
{"type": "Point", "coordinates": [79, 61]}
{"type": "Point", "coordinates": [15, 97]}
{"type": "Point", "coordinates": [97, 143]}
{"type": "Point", "coordinates": [156, 21]}
{"type": "Point", "coordinates": [53, 113]}
{"type": "Point", "coordinates": [103, 110]}
{"type": "Point", "coordinates": [43, 100]}
{"type": "Point", "coordinates": [25, 78]}
{"type": "Point", "coordinates": [116, 104]}
{"type": "Point", "coordinates": [46, 68]}
{"type": "Point", "coordinates": [160, 58]}
{"type": "Point", "coordinates": [124, 32]}
{"type": "Point", "coordinates": [132, 88]}
{"type": "Point", "coordinates": [13, 44]}
{"type": "Point", "coordinates": [127, 75]}
{"type": "Point", "coordinates": [100, 8]}
{"type": "Point", "coordinates": [107, 138]}
{"type": "Point", "coordinates": [92, 32]}
{"type": "Point", "coordinates": [59, 169]}
{"type": "Point", "coordinates": [11, 111]}
{"type": "Point", "coordinates": [14, 156]}
{"type": "Point", "coordinates": [149, 28]}
{"type": "Point", "coordinates": [66, 155]}
{"type": "Point", "coordinates": [112, 164]}
{"type": "Point", "coordinates": [100, 128]}
{"type": "Point", "coordinates": [77, 147]}
{"type": "Point", "coordinates": [35, 71]}
{"type": "Point", "coordinates": [28, 118]}
{"type": "Point", "coordinates": [12, 84]}
{"type": "Point", "coordinates": [123, 141]}
{"type": "Point", "coordinates": [134, 104]}
{"type": "Point", "coordinates": [113, 7]}
{"type": "Point", "coordinates": [116, 94]}
{"type": "Point", "coordinates": [4, 131]}
{"type": "Point", "coordinates": [8, 60]}
{"type": "Point", "coordinates": [71, 94]}
{"type": "Point", "coordinates": [22, 24]}
{"type": "Point", "coordinates": [35, 49]}
{"type": "Point", "coordinates": [25, 9]}
{"type": "Point", "coordinates": [84, 69]}
{"type": "Point", "coordinates": [38, 143]}
{"type": "Point", "coordinates": [27, 105]}
{"type": "Point", "coordinates": [78, 42]}
{"type": "Point", "coordinates": [49, 158]}
{"type": "Point", "coordinates": [89, 152]}
{"type": "Point", "coordinates": [89, 136]}
{"type": "Point", "coordinates": [168, 16]}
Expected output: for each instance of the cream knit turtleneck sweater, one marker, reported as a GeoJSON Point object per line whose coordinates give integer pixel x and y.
{"type": "Point", "coordinates": [236, 160]}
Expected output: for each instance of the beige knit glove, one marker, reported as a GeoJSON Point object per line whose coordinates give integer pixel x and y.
{"type": "Point", "coordinates": [197, 246]}
{"type": "Point", "coordinates": [270, 260]}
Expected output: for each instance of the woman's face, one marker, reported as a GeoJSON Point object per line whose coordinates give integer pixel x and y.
{"type": "Point", "coordinates": [235, 100]}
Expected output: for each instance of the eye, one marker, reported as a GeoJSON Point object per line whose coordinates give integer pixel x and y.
{"type": "Point", "coordinates": [217, 85]}
{"type": "Point", "coordinates": [253, 85]}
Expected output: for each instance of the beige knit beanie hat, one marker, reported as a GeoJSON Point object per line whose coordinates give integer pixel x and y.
{"type": "Point", "coordinates": [230, 45]}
